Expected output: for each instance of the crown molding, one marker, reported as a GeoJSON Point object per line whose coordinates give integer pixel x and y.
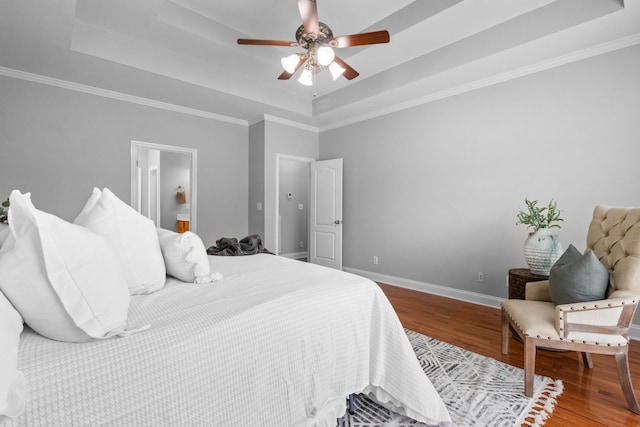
{"type": "Point", "coordinates": [64, 84]}
{"type": "Point", "coordinates": [537, 67]}
{"type": "Point", "coordinates": [579, 55]}
{"type": "Point", "coordinates": [282, 121]}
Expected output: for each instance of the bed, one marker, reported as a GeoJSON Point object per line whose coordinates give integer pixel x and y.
{"type": "Point", "coordinates": [275, 342]}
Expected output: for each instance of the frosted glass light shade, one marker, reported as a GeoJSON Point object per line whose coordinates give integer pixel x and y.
{"type": "Point", "coordinates": [306, 78]}
{"type": "Point", "coordinates": [290, 62]}
{"type": "Point", "coordinates": [336, 70]}
{"type": "Point", "coordinates": [325, 55]}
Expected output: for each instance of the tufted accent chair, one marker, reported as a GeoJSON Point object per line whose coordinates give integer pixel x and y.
{"type": "Point", "coordinates": [587, 327]}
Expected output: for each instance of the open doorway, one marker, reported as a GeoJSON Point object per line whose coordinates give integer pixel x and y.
{"type": "Point", "coordinates": [292, 207]}
{"type": "Point", "coordinates": [309, 210]}
{"type": "Point", "coordinates": [163, 184]}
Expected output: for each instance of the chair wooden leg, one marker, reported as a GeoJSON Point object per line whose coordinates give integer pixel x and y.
{"type": "Point", "coordinates": [505, 333]}
{"type": "Point", "coordinates": [622, 364]}
{"type": "Point", "coordinates": [586, 360]}
{"type": "Point", "coordinates": [529, 365]}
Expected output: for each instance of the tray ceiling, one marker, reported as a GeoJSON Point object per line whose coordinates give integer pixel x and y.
{"type": "Point", "coordinates": [184, 52]}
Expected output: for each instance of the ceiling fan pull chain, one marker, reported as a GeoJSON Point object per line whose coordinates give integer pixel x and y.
{"type": "Point", "coordinates": [313, 79]}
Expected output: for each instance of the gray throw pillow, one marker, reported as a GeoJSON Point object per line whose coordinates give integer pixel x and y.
{"type": "Point", "coordinates": [577, 278]}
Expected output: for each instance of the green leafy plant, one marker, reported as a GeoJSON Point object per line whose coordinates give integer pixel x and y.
{"type": "Point", "coordinates": [4, 211]}
{"type": "Point", "coordinates": [540, 217]}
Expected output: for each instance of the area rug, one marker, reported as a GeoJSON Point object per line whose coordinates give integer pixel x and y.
{"type": "Point", "coordinates": [477, 390]}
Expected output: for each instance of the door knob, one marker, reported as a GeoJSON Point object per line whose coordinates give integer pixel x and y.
{"type": "Point", "coordinates": [337, 222]}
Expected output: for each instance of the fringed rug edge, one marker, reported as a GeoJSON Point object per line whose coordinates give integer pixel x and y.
{"type": "Point", "coordinates": [540, 409]}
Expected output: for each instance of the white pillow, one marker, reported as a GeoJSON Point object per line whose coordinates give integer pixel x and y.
{"type": "Point", "coordinates": [63, 279]}
{"type": "Point", "coordinates": [133, 237]}
{"type": "Point", "coordinates": [186, 257]}
{"type": "Point", "coordinates": [4, 233]}
{"type": "Point", "coordinates": [12, 384]}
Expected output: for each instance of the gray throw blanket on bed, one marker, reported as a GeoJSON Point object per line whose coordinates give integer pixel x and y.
{"type": "Point", "coordinates": [230, 246]}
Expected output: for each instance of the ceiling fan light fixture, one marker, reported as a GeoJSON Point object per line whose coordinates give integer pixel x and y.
{"type": "Point", "coordinates": [336, 70]}
{"type": "Point", "coordinates": [325, 55]}
{"type": "Point", "coordinates": [306, 78]}
{"type": "Point", "coordinates": [289, 63]}
{"type": "Point", "coordinates": [317, 39]}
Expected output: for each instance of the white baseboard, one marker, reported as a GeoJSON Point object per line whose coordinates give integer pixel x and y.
{"type": "Point", "coordinates": [467, 296]}
{"type": "Point", "coordinates": [295, 255]}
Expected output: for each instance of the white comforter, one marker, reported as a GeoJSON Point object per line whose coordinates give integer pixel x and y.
{"type": "Point", "coordinates": [276, 343]}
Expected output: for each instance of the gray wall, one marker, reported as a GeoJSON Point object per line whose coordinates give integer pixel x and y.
{"type": "Point", "coordinates": [59, 144]}
{"type": "Point", "coordinates": [293, 179]}
{"type": "Point", "coordinates": [433, 191]}
{"type": "Point", "coordinates": [256, 178]}
{"type": "Point", "coordinates": [277, 138]}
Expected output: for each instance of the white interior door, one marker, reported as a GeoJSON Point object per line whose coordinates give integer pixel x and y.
{"type": "Point", "coordinates": [325, 206]}
{"type": "Point", "coordinates": [153, 193]}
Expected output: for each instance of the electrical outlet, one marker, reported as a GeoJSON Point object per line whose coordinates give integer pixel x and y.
{"type": "Point", "coordinates": [480, 277]}
{"type": "Point", "coordinates": [375, 259]}
{"type": "Point", "coordinates": [301, 244]}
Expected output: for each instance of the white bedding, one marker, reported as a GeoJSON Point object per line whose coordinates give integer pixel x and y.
{"type": "Point", "coordinates": [276, 343]}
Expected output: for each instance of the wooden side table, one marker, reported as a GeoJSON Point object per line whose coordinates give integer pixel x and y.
{"type": "Point", "coordinates": [518, 279]}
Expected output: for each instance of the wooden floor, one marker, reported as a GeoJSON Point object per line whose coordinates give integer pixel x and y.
{"type": "Point", "coordinates": [592, 397]}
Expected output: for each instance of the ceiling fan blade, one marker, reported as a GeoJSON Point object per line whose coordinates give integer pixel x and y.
{"type": "Point", "coordinates": [267, 42]}
{"type": "Point", "coordinates": [309, 14]}
{"type": "Point", "coordinates": [287, 75]}
{"type": "Point", "coordinates": [373, 37]}
{"type": "Point", "coordinates": [349, 73]}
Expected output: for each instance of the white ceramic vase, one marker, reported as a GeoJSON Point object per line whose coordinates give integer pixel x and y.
{"type": "Point", "coordinates": [541, 250]}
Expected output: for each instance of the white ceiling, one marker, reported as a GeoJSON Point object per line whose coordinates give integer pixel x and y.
{"type": "Point", "coordinates": [184, 52]}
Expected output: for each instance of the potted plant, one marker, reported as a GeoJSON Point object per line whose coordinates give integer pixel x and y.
{"type": "Point", "coordinates": [541, 248]}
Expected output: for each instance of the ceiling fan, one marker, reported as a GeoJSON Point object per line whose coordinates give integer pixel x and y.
{"type": "Point", "coordinates": [318, 40]}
